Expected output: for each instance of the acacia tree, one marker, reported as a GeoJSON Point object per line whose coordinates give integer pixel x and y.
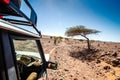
{"type": "Point", "coordinates": [82, 31]}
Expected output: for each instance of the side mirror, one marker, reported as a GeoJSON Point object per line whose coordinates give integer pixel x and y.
{"type": "Point", "coordinates": [52, 65]}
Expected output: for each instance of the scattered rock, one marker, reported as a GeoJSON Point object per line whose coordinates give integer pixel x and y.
{"type": "Point", "coordinates": [98, 61]}
{"type": "Point", "coordinates": [84, 77]}
{"type": "Point", "coordinates": [71, 75]}
{"type": "Point", "coordinates": [114, 54]}
{"type": "Point", "coordinates": [117, 78]}
{"type": "Point", "coordinates": [116, 63]}
{"type": "Point", "coordinates": [98, 45]}
{"type": "Point", "coordinates": [55, 51]}
{"type": "Point", "coordinates": [106, 67]}
{"type": "Point", "coordinates": [66, 70]}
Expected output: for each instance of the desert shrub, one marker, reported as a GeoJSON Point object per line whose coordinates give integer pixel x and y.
{"type": "Point", "coordinates": [51, 37]}
{"type": "Point", "coordinates": [81, 40]}
{"type": "Point", "coordinates": [60, 37]}
{"type": "Point", "coordinates": [55, 40]}
{"type": "Point", "coordinates": [92, 41]}
{"type": "Point", "coordinates": [66, 39]}
{"type": "Point", "coordinates": [48, 41]}
{"type": "Point", "coordinates": [98, 45]}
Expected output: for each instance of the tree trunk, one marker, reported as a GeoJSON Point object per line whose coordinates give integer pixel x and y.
{"type": "Point", "coordinates": [88, 42]}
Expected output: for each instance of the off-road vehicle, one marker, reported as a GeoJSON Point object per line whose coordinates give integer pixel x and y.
{"type": "Point", "coordinates": [21, 52]}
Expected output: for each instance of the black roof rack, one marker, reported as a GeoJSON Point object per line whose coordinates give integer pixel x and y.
{"type": "Point", "coordinates": [12, 8]}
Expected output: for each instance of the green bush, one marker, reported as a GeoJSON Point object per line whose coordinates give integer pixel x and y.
{"type": "Point", "coordinates": [81, 40]}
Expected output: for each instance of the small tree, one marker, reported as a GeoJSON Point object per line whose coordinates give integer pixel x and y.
{"type": "Point", "coordinates": [57, 39]}
{"type": "Point", "coordinates": [82, 31]}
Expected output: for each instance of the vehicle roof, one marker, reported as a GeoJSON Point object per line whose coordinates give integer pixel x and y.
{"type": "Point", "coordinates": [4, 25]}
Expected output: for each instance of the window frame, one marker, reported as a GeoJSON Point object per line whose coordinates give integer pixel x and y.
{"type": "Point", "coordinates": [6, 39]}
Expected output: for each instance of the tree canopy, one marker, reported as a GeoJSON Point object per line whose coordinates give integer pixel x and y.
{"type": "Point", "coordinates": [80, 30]}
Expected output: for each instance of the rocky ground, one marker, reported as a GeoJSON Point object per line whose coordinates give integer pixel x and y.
{"type": "Point", "coordinates": [77, 63]}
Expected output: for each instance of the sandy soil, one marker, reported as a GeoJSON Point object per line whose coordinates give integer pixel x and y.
{"type": "Point", "coordinates": [77, 63]}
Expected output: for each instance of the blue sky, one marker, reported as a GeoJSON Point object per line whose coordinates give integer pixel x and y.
{"type": "Point", "coordinates": [55, 16]}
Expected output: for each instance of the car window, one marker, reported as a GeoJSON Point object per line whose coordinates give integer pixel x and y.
{"type": "Point", "coordinates": [27, 48]}
{"type": "Point", "coordinates": [25, 45]}
{"type": "Point", "coordinates": [27, 57]}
